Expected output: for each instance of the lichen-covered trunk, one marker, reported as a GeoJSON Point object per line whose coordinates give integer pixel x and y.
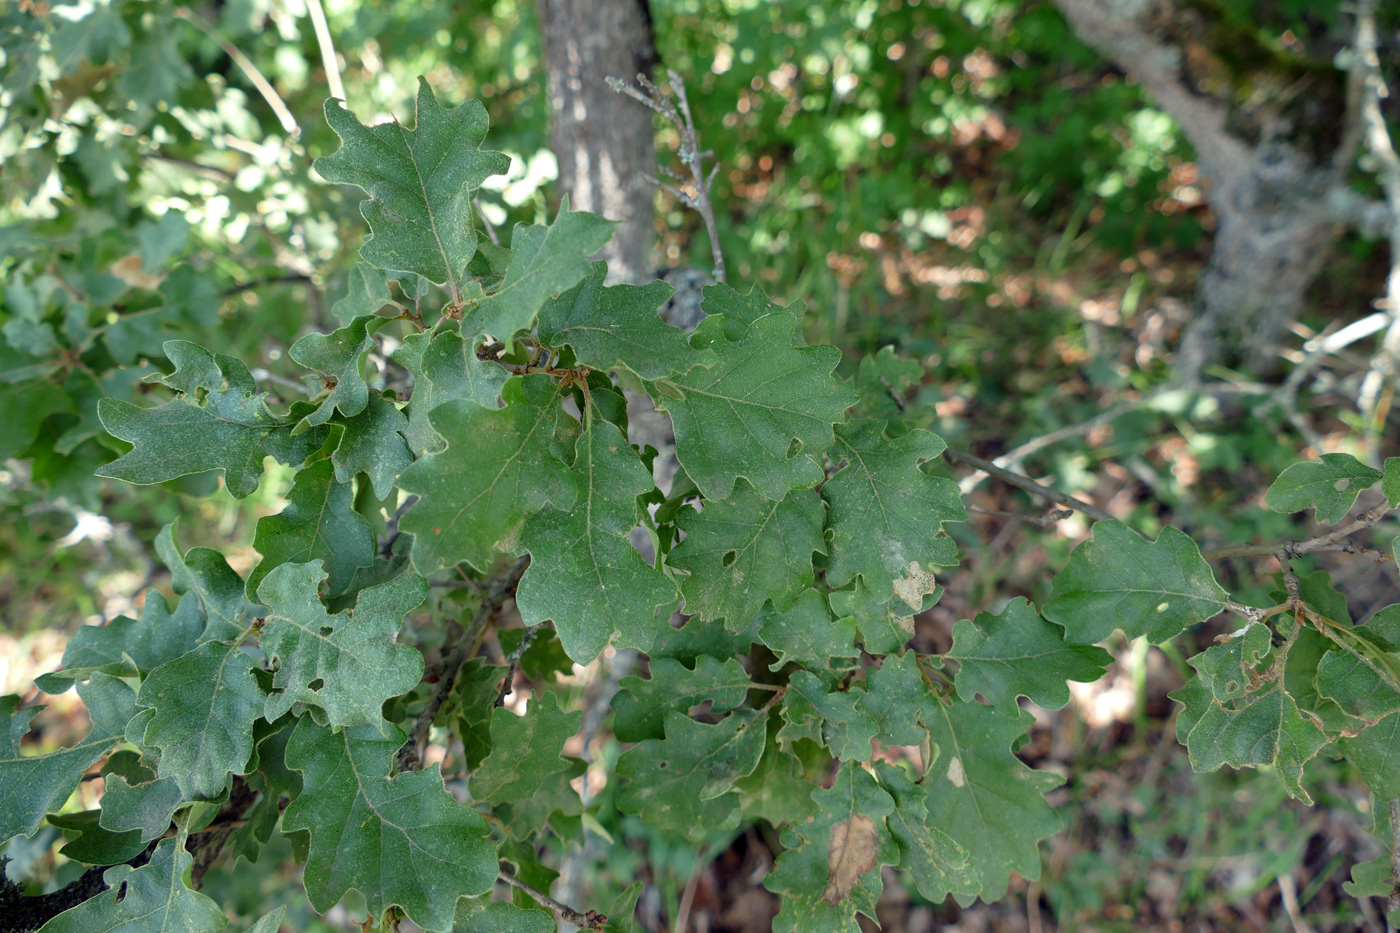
{"type": "Point", "coordinates": [1271, 147]}
{"type": "Point", "coordinates": [603, 140]}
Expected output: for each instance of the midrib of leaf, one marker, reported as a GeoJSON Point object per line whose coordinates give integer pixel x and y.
{"type": "Point", "coordinates": [869, 476]}
{"type": "Point", "coordinates": [967, 774]}
{"type": "Point", "coordinates": [364, 795]}
{"type": "Point", "coordinates": [428, 206]}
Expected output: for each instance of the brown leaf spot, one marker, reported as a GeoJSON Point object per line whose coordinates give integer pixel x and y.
{"type": "Point", "coordinates": [852, 853]}
{"type": "Point", "coordinates": [913, 588]}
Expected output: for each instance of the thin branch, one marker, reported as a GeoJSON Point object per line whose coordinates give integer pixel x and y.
{"type": "Point", "coordinates": [323, 39]}
{"type": "Point", "coordinates": [489, 227]}
{"type": "Point", "coordinates": [1029, 485]}
{"type": "Point", "coordinates": [498, 591]}
{"type": "Point", "coordinates": [270, 280]}
{"type": "Point", "coordinates": [265, 88]}
{"type": "Point", "coordinates": [1393, 902]}
{"type": "Point", "coordinates": [1045, 521]}
{"type": "Point", "coordinates": [391, 528]}
{"type": "Point", "coordinates": [678, 113]}
{"type": "Point", "coordinates": [591, 920]}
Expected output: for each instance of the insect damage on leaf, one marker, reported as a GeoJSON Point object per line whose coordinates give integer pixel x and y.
{"type": "Point", "coordinates": [851, 853]}
{"type": "Point", "coordinates": [913, 588]}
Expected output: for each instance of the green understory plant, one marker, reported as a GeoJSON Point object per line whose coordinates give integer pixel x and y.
{"type": "Point", "coordinates": [801, 535]}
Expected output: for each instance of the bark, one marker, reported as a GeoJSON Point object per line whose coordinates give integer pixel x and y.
{"type": "Point", "coordinates": [1271, 147]}
{"type": "Point", "coordinates": [603, 141]}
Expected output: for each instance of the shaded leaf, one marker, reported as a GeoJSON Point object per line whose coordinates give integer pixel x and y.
{"type": "Point", "coordinates": [846, 728]}
{"type": "Point", "coordinates": [617, 325]}
{"type": "Point", "coordinates": [444, 368]}
{"type": "Point", "coordinates": [319, 523]}
{"type": "Point", "coordinates": [373, 444]}
{"type": "Point", "coordinates": [144, 808]}
{"type": "Point", "coordinates": [337, 357]}
{"type": "Point", "coordinates": [1017, 653]}
{"type": "Point", "coordinates": [366, 291]}
{"type": "Point", "coordinates": [202, 574]}
{"type": "Point", "coordinates": [938, 865]}
{"type": "Point", "coordinates": [764, 411]}
{"type": "Point", "coordinates": [524, 750]}
{"type": "Point", "coordinates": [496, 470]}
{"type": "Point", "coordinates": [1375, 752]}
{"type": "Point", "coordinates": [807, 634]}
{"type": "Point", "coordinates": [584, 574]}
{"type": "Point", "coordinates": [640, 706]}
{"type": "Point", "coordinates": [743, 550]}
{"type": "Point", "coordinates": [219, 422]}
{"type": "Point", "coordinates": [883, 510]}
{"type": "Point", "coordinates": [401, 841]}
{"type": "Point", "coordinates": [125, 647]}
{"type": "Point", "coordinates": [891, 700]}
{"type": "Point", "coordinates": [345, 664]}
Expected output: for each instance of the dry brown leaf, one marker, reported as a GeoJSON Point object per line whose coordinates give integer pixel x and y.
{"type": "Point", "coordinates": [127, 270]}
{"type": "Point", "coordinates": [852, 852]}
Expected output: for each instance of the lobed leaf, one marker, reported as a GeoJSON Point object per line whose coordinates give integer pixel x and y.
{"type": "Point", "coordinates": [524, 751]}
{"type": "Point", "coordinates": [444, 368]}
{"type": "Point", "coordinates": [1329, 487]}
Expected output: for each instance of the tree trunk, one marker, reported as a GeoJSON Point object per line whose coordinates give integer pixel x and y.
{"type": "Point", "coordinates": [603, 140]}
{"type": "Point", "coordinates": [1271, 147]}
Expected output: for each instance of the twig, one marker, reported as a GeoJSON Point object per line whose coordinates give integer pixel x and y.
{"type": "Point", "coordinates": [1029, 485]}
{"type": "Point", "coordinates": [691, 155]}
{"type": "Point", "coordinates": [391, 528]}
{"type": "Point", "coordinates": [1393, 902]}
{"type": "Point", "coordinates": [489, 227]}
{"type": "Point", "coordinates": [262, 375]}
{"type": "Point", "coordinates": [265, 88]}
{"type": "Point", "coordinates": [323, 39]}
{"type": "Point", "coordinates": [591, 920]}
{"type": "Point", "coordinates": [688, 895]}
{"type": "Point", "coordinates": [1045, 521]}
{"type": "Point", "coordinates": [498, 590]}
{"type": "Point", "coordinates": [1017, 456]}
{"type": "Point", "coordinates": [259, 283]}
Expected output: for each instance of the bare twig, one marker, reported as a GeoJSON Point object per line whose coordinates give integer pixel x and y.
{"type": "Point", "coordinates": [323, 39]}
{"type": "Point", "coordinates": [673, 104]}
{"type": "Point", "coordinates": [1045, 521]}
{"type": "Point", "coordinates": [391, 528]}
{"type": "Point", "coordinates": [688, 896]}
{"type": "Point", "coordinates": [1029, 485]}
{"type": "Point", "coordinates": [1393, 902]}
{"type": "Point", "coordinates": [489, 227]}
{"type": "Point", "coordinates": [265, 88]}
{"type": "Point", "coordinates": [498, 590]}
{"type": "Point", "coordinates": [271, 280]}
{"type": "Point", "coordinates": [591, 920]}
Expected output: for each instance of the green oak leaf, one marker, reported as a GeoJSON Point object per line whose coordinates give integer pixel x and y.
{"type": "Point", "coordinates": [138, 900]}
{"type": "Point", "coordinates": [125, 647]}
{"type": "Point", "coordinates": [1223, 723]}
{"type": "Point", "coordinates": [883, 510]}
{"type": "Point", "coordinates": [524, 750]}
{"type": "Point", "coordinates": [683, 783]}
{"type": "Point", "coordinates": [846, 727]}
{"type": "Point", "coordinates": [219, 422]}
{"type": "Point", "coordinates": [337, 357]}
{"type": "Point", "coordinates": [1329, 487]}
{"type": "Point", "coordinates": [763, 411]}
{"type": "Point", "coordinates": [444, 368]}
{"type": "Point", "coordinates": [640, 706]}
{"type": "Point", "coordinates": [1118, 580]}
{"type": "Point", "coordinates": [319, 523]}
{"type": "Point", "coordinates": [887, 701]}
{"type": "Point", "coordinates": [739, 311]}
{"type": "Point", "coordinates": [400, 841]}
{"type": "Point", "coordinates": [584, 574]}
{"type": "Point", "coordinates": [420, 184]}
{"type": "Point", "coordinates": [885, 625]}
{"type": "Point", "coordinates": [203, 575]}
{"type": "Point", "coordinates": [882, 381]}
{"type": "Point", "coordinates": [939, 865]}
{"type": "Point", "coordinates": [34, 785]}
{"type": "Point", "coordinates": [373, 443]}
{"type": "Point", "coordinates": [1300, 682]}
{"type": "Point", "coordinates": [807, 635]}
{"type": "Point", "coordinates": [1390, 481]}
{"type": "Point", "coordinates": [744, 549]}
{"type": "Point", "coordinates": [366, 291]}
{"type": "Point", "coordinates": [983, 797]}
{"type": "Point", "coordinates": [90, 843]}
{"type": "Point", "coordinates": [474, 697]}
{"type": "Point", "coordinates": [203, 708]}
{"type": "Point", "coordinates": [554, 805]}
{"type": "Point", "coordinates": [500, 917]}
{"type": "Point", "coordinates": [830, 870]}
{"type": "Point", "coordinates": [544, 262]}
{"type": "Point", "coordinates": [617, 326]}
{"type": "Point", "coordinates": [1375, 878]}
{"type": "Point", "coordinates": [777, 790]}
{"type": "Point", "coordinates": [345, 664]}
{"type": "Point", "coordinates": [1017, 653]}
{"type": "Point", "coordinates": [1375, 753]}
{"type": "Point", "coordinates": [496, 470]}
{"type": "Point", "coordinates": [145, 808]}
{"type": "Point", "coordinates": [1358, 685]}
